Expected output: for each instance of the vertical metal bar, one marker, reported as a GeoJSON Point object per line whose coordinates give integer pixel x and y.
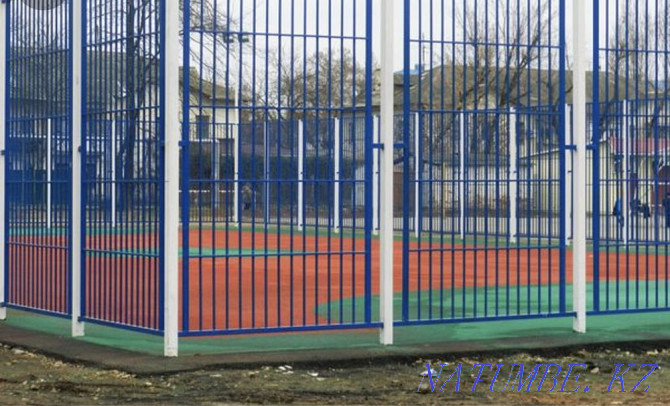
{"type": "Point", "coordinates": [406, 137]}
{"type": "Point", "coordinates": [579, 35]}
{"type": "Point", "coordinates": [625, 206]}
{"type": "Point", "coordinates": [369, 19]}
{"type": "Point", "coordinates": [562, 133]}
{"type": "Point", "coordinates": [595, 159]}
{"type": "Point", "coordinates": [113, 180]}
{"type": "Point", "coordinates": [386, 226]}
{"type": "Point", "coordinates": [3, 153]}
{"type": "Point", "coordinates": [186, 172]}
{"type": "Point", "coordinates": [375, 180]}
{"type": "Point", "coordinates": [461, 175]}
{"type": "Point", "coordinates": [77, 131]}
{"type": "Point", "coordinates": [336, 184]}
{"type": "Point", "coordinates": [301, 175]}
{"type": "Point", "coordinates": [216, 171]}
{"type": "Point", "coordinates": [266, 172]}
{"type": "Point", "coordinates": [569, 179]}
{"type": "Point", "coordinates": [236, 175]}
{"type": "Point", "coordinates": [170, 122]}
{"type": "Point", "coordinates": [417, 174]}
{"type": "Point", "coordinates": [49, 169]}
{"type": "Point", "coordinates": [513, 176]}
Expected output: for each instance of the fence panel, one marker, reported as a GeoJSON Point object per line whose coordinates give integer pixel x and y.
{"type": "Point", "coordinates": [122, 165]}
{"type": "Point", "coordinates": [630, 193]}
{"type": "Point", "coordinates": [38, 156]}
{"type": "Point", "coordinates": [484, 138]}
{"type": "Point", "coordinates": [291, 245]}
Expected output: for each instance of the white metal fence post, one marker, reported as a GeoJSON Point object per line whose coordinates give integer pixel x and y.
{"type": "Point", "coordinates": [417, 175]}
{"type": "Point", "coordinates": [569, 178]}
{"type": "Point", "coordinates": [172, 135]}
{"type": "Point", "coordinates": [216, 172]}
{"type": "Point", "coordinates": [49, 174]}
{"type": "Point", "coordinates": [236, 175]}
{"type": "Point", "coordinates": [513, 176]}
{"type": "Point", "coordinates": [266, 171]}
{"type": "Point", "coordinates": [77, 145]}
{"type": "Point", "coordinates": [3, 126]}
{"type": "Point", "coordinates": [336, 185]}
{"type": "Point", "coordinates": [386, 224]}
{"type": "Point", "coordinates": [375, 180]}
{"type": "Point", "coordinates": [301, 174]}
{"type": "Point", "coordinates": [461, 175]}
{"type": "Point", "coordinates": [113, 184]}
{"type": "Point", "coordinates": [581, 38]}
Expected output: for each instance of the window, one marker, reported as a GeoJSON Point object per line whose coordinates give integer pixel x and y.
{"type": "Point", "coordinates": [203, 127]}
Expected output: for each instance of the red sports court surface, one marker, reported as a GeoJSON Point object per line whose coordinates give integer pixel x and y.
{"type": "Point", "coordinates": [244, 280]}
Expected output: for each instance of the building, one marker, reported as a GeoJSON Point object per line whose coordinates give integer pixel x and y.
{"type": "Point", "coordinates": [115, 132]}
{"type": "Point", "coordinates": [442, 96]}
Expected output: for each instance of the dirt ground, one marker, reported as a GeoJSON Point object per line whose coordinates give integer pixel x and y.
{"type": "Point", "coordinates": [27, 378]}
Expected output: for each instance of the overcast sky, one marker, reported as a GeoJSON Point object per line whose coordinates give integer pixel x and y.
{"type": "Point", "coordinates": [312, 16]}
{"type": "Point", "coordinates": [295, 23]}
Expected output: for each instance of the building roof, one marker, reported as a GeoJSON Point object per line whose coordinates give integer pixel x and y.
{"type": "Point", "coordinates": [452, 87]}
{"type": "Point", "coordinates": [640, 146]}
{"type": "Point", "coordinates": [107, 79]}
{"type": "Point", "coordinates": [213, 91]}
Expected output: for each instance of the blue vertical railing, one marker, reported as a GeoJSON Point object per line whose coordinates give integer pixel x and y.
{"type": "Point", "coordinates": [485, 159]}
{"type": "Point", "coordinates": [123, 165]}
{"type": "Point", "coordinates": [629, 187]}
{"type": "Point", "coordinates": [38, 146]}
{"type": "Point", "coordinates": [277, 216]}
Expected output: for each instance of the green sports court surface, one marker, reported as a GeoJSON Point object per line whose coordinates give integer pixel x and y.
{"type": "Point", "coordinates": [493, 335]}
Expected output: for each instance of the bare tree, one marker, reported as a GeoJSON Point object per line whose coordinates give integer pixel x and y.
{"type": "Point", "coordinates": [217, 38]}
{"type": "Point", "coordinates": [41, 49]}
{"type": "Point", "coordinates": [629, 45]}
{"type": "Point", "coordinates": [500, 48]}
{"type": "Point", "coordinates": [322, 85]}
{"type": "Point", "coordinates": [310, 87]}
{"type": "Point", "coordinates": [498, 58]}
{"type": "Point", "coordinates": [636, 61]}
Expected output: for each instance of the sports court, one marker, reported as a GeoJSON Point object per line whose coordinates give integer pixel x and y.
{"type": "Point", "coordinates": [289, 168]}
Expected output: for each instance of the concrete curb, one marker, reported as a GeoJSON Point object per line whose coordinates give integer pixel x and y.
{"type": "Point", "coordinates": [85, 353]}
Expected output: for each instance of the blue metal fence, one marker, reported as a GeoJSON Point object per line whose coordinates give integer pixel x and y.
{"type": "Point", "coordinates": [630, 199]}
{"type": "Point", "coordinates": [38, 146]}
{"type": "Point", "coordinates": [280, 154]}
{"type": "Point", "coordinates": [122, 159]}
{"type": "Point", "coordinates": [485, 158]}
{"type": "Point", "coordinates": [289, 245]}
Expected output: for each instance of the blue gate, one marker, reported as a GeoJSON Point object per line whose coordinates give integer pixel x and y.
{"type": "Point", "coordinates": [629, 201]}
{"type": "Point", "coordinates": [123, 164]}
{"type": "Point", "coordinates": [484, 161]}
{"type": "Point", "coordinates": [276, 166]}
{"type": "Point", "coordinates": [37, 158]}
